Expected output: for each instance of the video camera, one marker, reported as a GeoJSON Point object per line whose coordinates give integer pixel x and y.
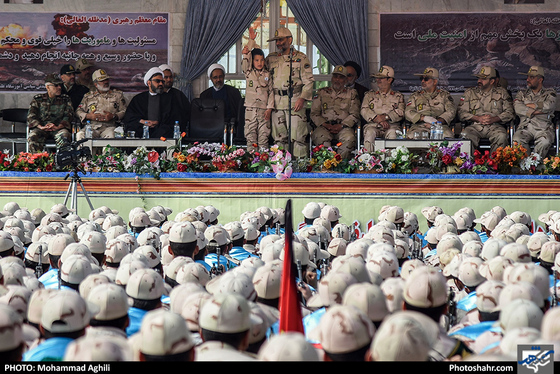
{"type": "Point", "coordinates": [70, 154]}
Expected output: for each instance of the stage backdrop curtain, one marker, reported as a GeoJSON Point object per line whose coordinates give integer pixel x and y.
{"type": "Point", "coordinates": [211, 28]}
{"type": "Point", "coordinates": [339, 29]}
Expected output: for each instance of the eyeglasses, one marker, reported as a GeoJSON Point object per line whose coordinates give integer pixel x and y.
{"type": "Point", "coordinates": [54, 84]}
{"type": "Point", "coordinates": [157, 81]}
{"type": "Point", "coordinates": [425, 79]}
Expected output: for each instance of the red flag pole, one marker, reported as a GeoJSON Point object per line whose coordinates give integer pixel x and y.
{"type": "Point", "coordinates": [290, 307]}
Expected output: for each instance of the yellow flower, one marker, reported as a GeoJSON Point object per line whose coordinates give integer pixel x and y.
{"type": "Point", "coordinates": [459, 161]}
{"type": "Point", "coordinates": [327, 164]}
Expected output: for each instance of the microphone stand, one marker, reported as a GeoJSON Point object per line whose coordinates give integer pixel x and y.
{"type": "Point", "coordinates": [290, 95]}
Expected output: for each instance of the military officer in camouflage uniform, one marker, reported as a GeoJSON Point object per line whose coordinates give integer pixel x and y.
{"type": "Point", "coordinates": [335, 111]}
{"type": "Point", "coordinates": [259, 95]}
{"type": "Point", "coordinates": [302, 83]}
{"type": "Point", "coordinates": [102, 107]}
{"type": "Point", "coordinates": [535, 107]}
{"type": "Point", "coordinates": [486, 108]}
{"type": "Point", "coordinates": [50, 116]}
{"type": "Point", "coordinates": [430, 104]}
{"type": "Point", "coordinates": [382, 109]}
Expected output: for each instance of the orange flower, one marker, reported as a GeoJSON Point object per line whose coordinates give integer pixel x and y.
{"type": "Point", "coordinates": [162, 139]}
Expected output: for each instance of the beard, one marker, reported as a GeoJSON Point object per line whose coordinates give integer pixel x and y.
{"type": "Point", "coordinates": [156, 89]}
{"type": "Point", "coordinates": [102, 89]}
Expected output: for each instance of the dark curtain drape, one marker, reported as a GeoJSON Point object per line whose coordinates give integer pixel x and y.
{"type": "Point", "coordinates": [338, 28]}
{"type": "Point", "coordinates": [211, 28]}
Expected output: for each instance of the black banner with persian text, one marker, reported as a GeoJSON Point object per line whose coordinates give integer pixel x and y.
{"type": "Point", "coordinates": [459, 44]}
{"type": "Point", "coordinates": [126, 45]}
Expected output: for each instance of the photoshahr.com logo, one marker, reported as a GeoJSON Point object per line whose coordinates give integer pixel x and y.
{"type": "Point", "coordinates": [535, 359]}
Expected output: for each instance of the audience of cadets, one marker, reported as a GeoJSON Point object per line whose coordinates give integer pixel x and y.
{"type": "Point", "coordinates": [184, 288]}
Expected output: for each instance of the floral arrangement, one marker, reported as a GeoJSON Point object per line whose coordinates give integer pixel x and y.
{"type": "Point", "coordinates": [111, 160]}
{"type": "Point", "coordinates": [366, 162]}
{"type": "Point", "coordinates": [446, 158]}
{"type": "Point", "coordinates": [189, 159]}
{"type": "Point", "coordinates": [531, 163]}
{"type": "Point", "coordinates": [509, 158]}
{"type": "Point", "coordinates": [24, 161]}
{"type": "Point", "coordinates": [482, 163]}
{"type": "Point", "coordinates": [551, 165]}
{"type": "Point", "coordinates": [275, 160]}
{"type": "Point", "coordinates": [400, 160]}
{"type": "Point", "coordinates": [209, 157]}
{"type": "Point", "coordinates": [327, 159]}
{"type": "Point", "coordinates": [231, 158]}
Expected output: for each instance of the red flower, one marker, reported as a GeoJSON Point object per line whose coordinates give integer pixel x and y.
{"type": "Point", "coordinates": [181, 167]}
{"type": "Point", "coordinates": [338, 157]}
{"type": "Point", "coordinates": [447, 159]}
{"type": "Point", "coordinates": [153, 156]}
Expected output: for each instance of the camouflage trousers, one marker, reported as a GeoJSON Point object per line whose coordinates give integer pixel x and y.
{"type": "Point", "coordinates": [543, 138]}
{"type": "Point", "coordinates": [374, 131]}
{"type": "Point", "coordinates": [422, 126]}
{"type": "Point", "coordinates": [497, 134]}
{"type": "Point", "coordinates": [345, 137]}
{"type": "Point", "coordinates": [257, 129]}
{"type": "Point", "coordinates": [97, 131]}
{"type": "Point", "coordinates": [37, 138]}
{"type": "Point", "coordinates": [298, 134]}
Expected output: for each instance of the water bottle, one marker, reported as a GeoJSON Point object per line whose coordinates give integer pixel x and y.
{"type": "Point", "coordinates": [146, 132]}
{"type": "Point", "coordinates": [439, 131]}
{"type": "Point", "coordinates": [176, 130]}
{"type": "Point", "coordinates": [88, 130]}
{"type": "Point", "coordinates": [433, 131]}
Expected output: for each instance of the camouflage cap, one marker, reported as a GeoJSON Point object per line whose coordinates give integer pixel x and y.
{"type": "Point", "coordinates": [486, 72]}
{"type": "Point", "coordinates": [430, 73]}
{"type": "Point", "coordinates": [99, 75]}
{"type": "Point", "coordinates": [11, 328]}
{"type": "Point", "coordinates": [401, 338]}
{"type": "Point", "coordinates": [82, 64]}
{"type": "Point", "coordinates": [281, 32]}
{"type": "Point", "coordinates": [164, 333]}
{"type": "Point", "coordinates": [145, 284]}
{"type": "Point", "coordinates": [67, 312]}
{"type": "Point", "coordinates": [288, 346]}
{"type": "Point", "coordinates": [534, 71]}
{"type": "Point", "coordinates": [53, 79]}
{"type": "Point", "coordinates": [343, 329]}
{"type": "Point", "coordinates": [425, 288]}
{"type": "Point", "coordinates": [369, 298]}
{"type": "Point", "coordinates": [101, 348]}
{"type": "Point", "coordinates": [385, 72]}
{"type": "Point", "coordinates": [226, 313]}
{"type": "Point", "coordinates": [341, 70]}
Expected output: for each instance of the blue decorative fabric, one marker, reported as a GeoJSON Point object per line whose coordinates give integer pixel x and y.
{"type": "Point", "coordinates": [468, 302]}
{"type": "Point", "coordinates": [474, 331]}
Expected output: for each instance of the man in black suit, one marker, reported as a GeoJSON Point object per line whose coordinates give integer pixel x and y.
{"type": "Point", "coordinates": [221, 91]}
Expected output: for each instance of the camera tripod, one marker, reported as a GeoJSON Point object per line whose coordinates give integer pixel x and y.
{"type": "Point", "coordinates": [73, 191]}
